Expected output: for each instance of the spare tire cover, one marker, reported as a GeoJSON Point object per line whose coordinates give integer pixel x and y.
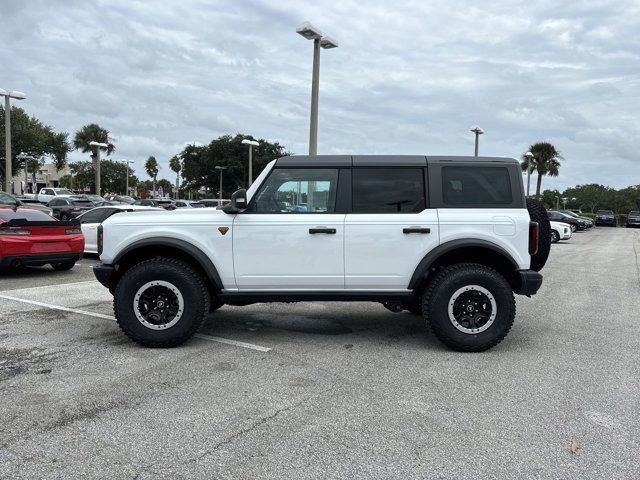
{"type": "Point", "coordinates": [538, 214]}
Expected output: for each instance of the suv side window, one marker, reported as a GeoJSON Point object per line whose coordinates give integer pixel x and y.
{"type": "Point", "coordinates": [56, 202]}
{"type": "Point", "coordinates": [470, 185]}
{"type": "Point", "coordinates": [388, 190]}
{"type": "Point", "coordinates": [297, 190]}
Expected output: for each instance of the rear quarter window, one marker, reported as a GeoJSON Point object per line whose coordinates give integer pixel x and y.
{"type": "Point", "coordinates": [473, 186]}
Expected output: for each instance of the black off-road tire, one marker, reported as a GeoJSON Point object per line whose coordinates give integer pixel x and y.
{"type": "Point", "coordinates": [182, 276]}
{"type": "Point", "coordinates": [439, 292]}
{"type": "Point", "coordinates": [555, 237]}
{"type": "Point", "coordinates": [61, 266]}
{"type": "Point", "coordinates": [538, 214]}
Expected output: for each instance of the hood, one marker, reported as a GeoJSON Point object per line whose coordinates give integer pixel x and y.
{"type": "Point", "coordinates": [160, 216]}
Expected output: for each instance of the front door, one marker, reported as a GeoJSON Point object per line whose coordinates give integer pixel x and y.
{"type": "Point", "coordinates": [390, 229]}
{"type": "Point", "coordinates": [290, 237]}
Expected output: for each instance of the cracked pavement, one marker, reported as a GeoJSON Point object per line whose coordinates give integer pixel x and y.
{"type": "Point", "coordinates": [348, 389]}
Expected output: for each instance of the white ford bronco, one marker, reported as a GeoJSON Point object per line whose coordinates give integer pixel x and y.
{"type": "Point", "coordinates": [448, 238]}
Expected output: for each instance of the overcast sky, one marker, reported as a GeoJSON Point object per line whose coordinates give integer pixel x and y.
{"type": "Point", "coordinates": [407, 78]}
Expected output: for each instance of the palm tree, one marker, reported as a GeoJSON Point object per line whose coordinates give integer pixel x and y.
{"type": "Point", "coordinates": [176, 166]}
{"type": "Point", "coordinates": [92, 132]}
{"type": "Point", "coordinates": [152, 168]}
{"type": "Point", "coordinates": [545, 161]}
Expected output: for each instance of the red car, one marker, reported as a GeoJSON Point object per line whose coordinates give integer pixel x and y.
{"type": "Point", "coordinates": [31, 237]}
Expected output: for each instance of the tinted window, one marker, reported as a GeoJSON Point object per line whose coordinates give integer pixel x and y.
{"type": "Point", "coordinates": [298, 190]}
{"type": "Point", "coordinates": [31, 215]}
{"type": "Point", "coordinates": [96, 216]}
{"type": "Point", "coordinates": [56, 202]}
{"type": "Point", "coordinates": [82, 203]}
{"type": "Point", "coordinates": [62, 191]}
{"type": "Point", "coordinates": [476, 186]}
{"type": "Point", "coordinates": [388, 190]}
{"type": "Point", "coordinates": [197, 205]}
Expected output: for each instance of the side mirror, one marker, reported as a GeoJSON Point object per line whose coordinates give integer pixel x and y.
{"type": "Point", "coordinates": [238, 202]}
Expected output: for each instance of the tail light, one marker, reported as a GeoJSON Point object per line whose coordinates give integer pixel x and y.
{"type": "Point", "coordinates": [534, 237]}
{"type": "Point", "coordinates": [73, 231]}
{"type": "Point", "coordinates": [14, 231]}
{"type": "Point", "coordinates": [100, 239]}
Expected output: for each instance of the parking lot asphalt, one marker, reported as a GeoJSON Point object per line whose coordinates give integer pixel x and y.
{"type": "Point", "coordinates": [327, 390]}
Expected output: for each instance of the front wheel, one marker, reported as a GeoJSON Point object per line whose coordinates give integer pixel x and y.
{"type": "Point", "coordinates": [469, 307]}
{"type": "Point", "coordinates": [573, 228]}
{"type": "Point", "coordinates": [161, 302]}
{"type": "Point", "coordinates": [555, 238]}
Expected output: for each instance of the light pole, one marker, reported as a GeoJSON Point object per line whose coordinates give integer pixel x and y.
{"type": "Point", "coordinates": [478, 131]}
{"type": "Point", "coordinates": [529, 156]}
{"type": "Point", "coordinates": [310, 32]}
{"type": "Point", "coordinates": [251, 143]}
{"type": "Point", "coordinates": [8, 95]}
{"type": "Point", "coordinates": [220, 169]}
{"type": "Point", "coordinates": [128, 162]}
{"type": "Point", "coordinates": [97, 146]}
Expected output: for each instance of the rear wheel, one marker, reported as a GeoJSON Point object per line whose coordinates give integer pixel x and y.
{"type": "Point", "coordinates": [469, 307]}
{"type": "Point", "coordinates": [160, 302]}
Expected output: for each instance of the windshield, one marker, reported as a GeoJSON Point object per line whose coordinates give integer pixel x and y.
{"type": "Point", "coordinates": [7, 214]}
{"type": "Point", "coordinates": [604, 212]}
{"type": "Point", "coordinates": [82, 203]}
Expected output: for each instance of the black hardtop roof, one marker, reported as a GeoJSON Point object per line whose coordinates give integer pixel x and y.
{"type": "Point", "coordinates": [382, 160]}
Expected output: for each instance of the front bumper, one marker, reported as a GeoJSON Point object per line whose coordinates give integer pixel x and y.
{"type": "Point", "coordinates": [103, 273]}
{"type": "Point", "coordinates": [530, 282]}
{"type": "Point", "coordinates": [39, 259]}
{"type": "Point", "coordinates": [605, 221]}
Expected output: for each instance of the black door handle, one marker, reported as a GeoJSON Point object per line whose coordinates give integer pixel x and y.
{"type": "Point", "coordinates": [416, 230]}
{"type": "Point", "coordinates": [322, 230]}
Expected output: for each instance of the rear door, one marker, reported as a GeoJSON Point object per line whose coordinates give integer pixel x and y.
{"type": "Point", "coordinates": [291, 236]}
{"type": "Point", "coordinates": [390, 228]}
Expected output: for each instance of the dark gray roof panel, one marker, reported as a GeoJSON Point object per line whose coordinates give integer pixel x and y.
{"type": "Point", "coordinates": [314, 161]}
{"type": "Point", "coordinates": [381, 160]}
{"type": "Point", "coordinates": [469, 159]}
{"type": "Point", "coordinates": [390, 160]}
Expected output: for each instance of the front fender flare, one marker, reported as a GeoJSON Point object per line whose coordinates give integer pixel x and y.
{"type": "Point", "coordinates": [186, 247]}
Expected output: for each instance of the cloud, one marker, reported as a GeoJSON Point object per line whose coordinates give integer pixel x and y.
{"type": "Point", "coordinates": [407, 78]}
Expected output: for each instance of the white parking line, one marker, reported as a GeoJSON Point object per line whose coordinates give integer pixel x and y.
{"type": "Point", "coordinates": [111, 317]}
{"type": "Point", "coordinates": [233, 342]}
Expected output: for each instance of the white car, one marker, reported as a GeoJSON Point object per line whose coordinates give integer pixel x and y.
{"type": "Point", "coordinates": [90, 220]}
{"type": "Point", "coordinates": [560, 231]}
{"type": "Point", "coordinates": [453, 246]}
{"type": "Point", "coordinates": [48, 194]}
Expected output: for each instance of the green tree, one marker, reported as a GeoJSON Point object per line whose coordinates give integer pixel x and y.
{"type": "Point", "coordinates": [176, 166]}
{"type": "Point", "coordinates": [114, 176]}
{"type": "Point", "coordinates": [29, 135]}
{"type": "Point", "coordinates": [92, 132]}
{"type": "Point", "coordinates": [549, 198]}
{"type": "Point", "coordinates": [546, 161]}
{"type": "Point", "coordinates": [151, 167]}
{"type": "Point", "coordinates": [166, 185]}
{"type": "Point", "coordinates": [199, 162]}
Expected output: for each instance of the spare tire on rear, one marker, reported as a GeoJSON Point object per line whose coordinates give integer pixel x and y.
{"type": "Point", "coordinates": [538, 214]}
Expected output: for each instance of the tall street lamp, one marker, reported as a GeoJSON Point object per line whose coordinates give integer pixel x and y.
{"type": "Point", "coordinates": [478, 131]}
{"type": "Point", "coordinates": [251, 143]}
{"type": "Point", "coordinates": [8, 95]}
{"type": "Point", "coordinates": [128, 162]}
{"type": "Point", "coordinates": [97, 146]}
{"type": "Point", "coordinates": [530, 158]}
{"type": "Point", "coordinates": [310, 32]}
{"type": "Point", "coordinates": [220, 169]}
